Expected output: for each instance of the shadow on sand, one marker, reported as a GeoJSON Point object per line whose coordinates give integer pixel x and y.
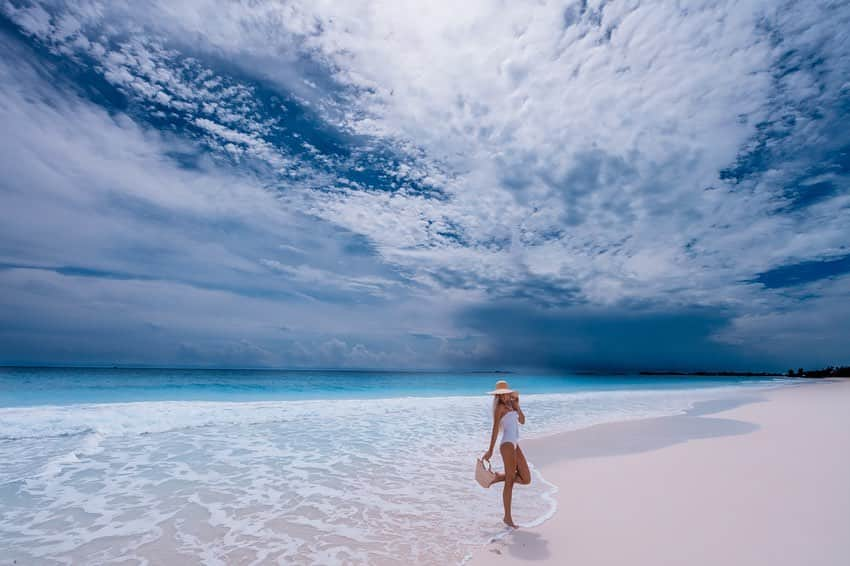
{"type": "Point", "coordinates": [632, 437]}
{"type": "Point", "coordinates": [616, 439]}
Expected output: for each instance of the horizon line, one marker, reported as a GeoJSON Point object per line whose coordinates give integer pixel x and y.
{"type": "Point", "coordinates": [600, 371]}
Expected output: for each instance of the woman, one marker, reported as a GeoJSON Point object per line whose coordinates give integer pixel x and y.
{"type": "Point", "coordinates": [507, 416]}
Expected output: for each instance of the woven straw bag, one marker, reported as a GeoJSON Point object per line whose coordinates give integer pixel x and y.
{"type": "Point", "coordinates": [484, 474]}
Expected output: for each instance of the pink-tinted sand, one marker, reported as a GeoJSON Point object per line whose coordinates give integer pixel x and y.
{"type": "Point", "coordinates": [764, 483]}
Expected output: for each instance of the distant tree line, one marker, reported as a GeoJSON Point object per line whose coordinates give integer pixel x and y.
{"type": "Point", "coordinates": [715, 373]}
{"type": "Point", "coordinates": [831, 371]}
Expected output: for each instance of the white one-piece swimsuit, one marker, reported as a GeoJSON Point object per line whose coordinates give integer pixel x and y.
{"type": "Point", "coordinates": [510, 428]}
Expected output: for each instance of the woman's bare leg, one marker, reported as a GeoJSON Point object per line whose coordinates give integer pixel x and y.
{"type": "Point", "coordinates": [509, 458]}
{"type": "Point", "coordinates": [523, 473]}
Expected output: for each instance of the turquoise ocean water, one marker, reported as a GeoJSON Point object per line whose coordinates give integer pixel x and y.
{"type": "Point", "coordinates": [157, 466]}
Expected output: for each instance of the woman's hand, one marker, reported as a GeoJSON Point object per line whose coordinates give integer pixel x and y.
{"type": "Point", "coordinates": [518, 409]}
{"type": "Point", "coordinates": [487, 455]}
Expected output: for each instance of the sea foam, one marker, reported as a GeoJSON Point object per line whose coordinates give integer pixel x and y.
{"type": "Point", "coordinates": [319, 481]}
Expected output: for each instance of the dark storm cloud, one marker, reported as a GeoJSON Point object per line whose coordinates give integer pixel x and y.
{"type": "Point", "coordinates": [600, 339]}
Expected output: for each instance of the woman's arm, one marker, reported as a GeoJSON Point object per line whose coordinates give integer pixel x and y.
{"type": "Point", "coordinates": [497, 414]}
{"type": "Point", "coordinates": [519, 410]}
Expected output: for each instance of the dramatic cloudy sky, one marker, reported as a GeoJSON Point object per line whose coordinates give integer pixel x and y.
{"type": "Point", "coordinates": [550, 184]}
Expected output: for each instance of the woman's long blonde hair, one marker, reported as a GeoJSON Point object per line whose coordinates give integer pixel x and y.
{"type": "Point", "coordinates": [498, 401]}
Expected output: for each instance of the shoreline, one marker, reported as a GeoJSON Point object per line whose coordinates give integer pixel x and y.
{"type": "Point", "coordinates": [538, 446]}
{"type": "Point", "coordinates": [753, 422]}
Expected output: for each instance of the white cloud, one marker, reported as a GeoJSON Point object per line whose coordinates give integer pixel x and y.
{"type": "Point", "coordinates": [577, 146]}
{"type": "Point", "coordinates": [322, 278]}
{"type": "Point", "coordinates": [109, 249]}
{"type": "Point", "coordinates": [578, 137]}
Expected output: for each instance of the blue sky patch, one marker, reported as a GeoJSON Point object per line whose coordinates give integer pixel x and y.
{"type": "Point", "coordinates": [804, 272]}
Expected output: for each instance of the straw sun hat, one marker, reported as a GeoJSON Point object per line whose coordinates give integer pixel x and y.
{"type": "Point", "coordinates": [501, 388]}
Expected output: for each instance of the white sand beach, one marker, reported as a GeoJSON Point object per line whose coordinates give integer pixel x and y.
{"type": "Point", "coordinates": [766, 482]}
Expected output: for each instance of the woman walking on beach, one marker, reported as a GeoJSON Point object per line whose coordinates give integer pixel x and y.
{"type": "Point", "coordinates": [507, 416]}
